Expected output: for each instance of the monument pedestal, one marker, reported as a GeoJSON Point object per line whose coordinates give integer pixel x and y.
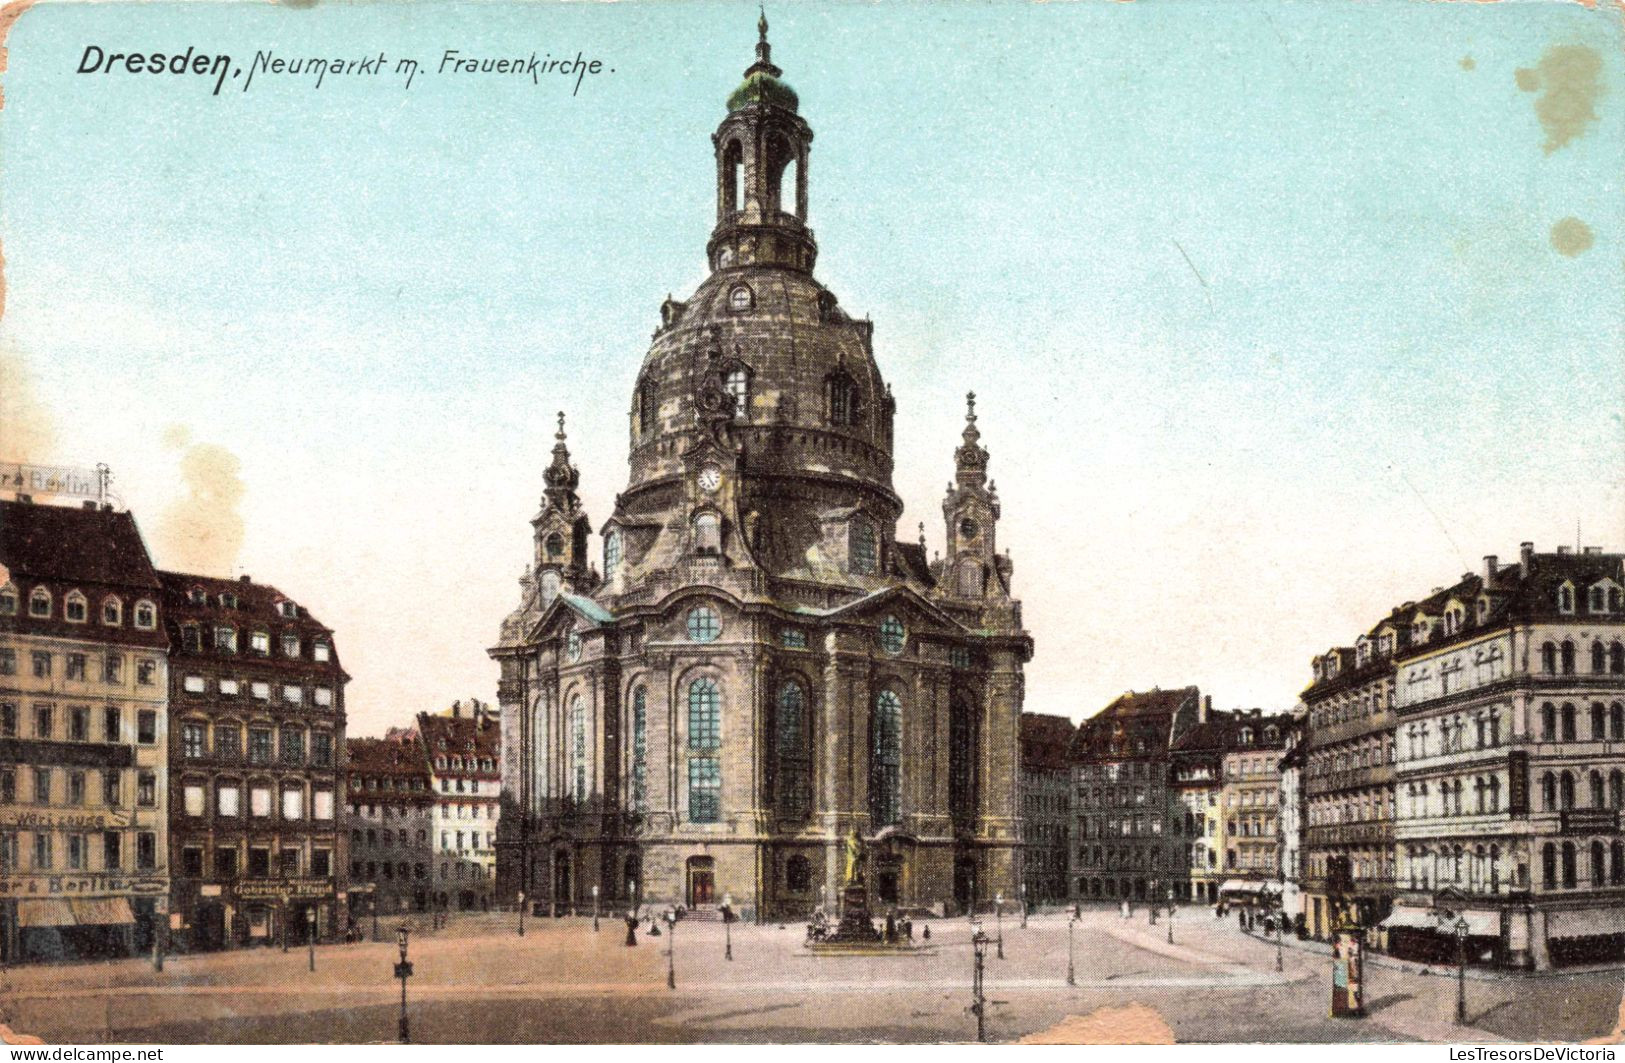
{"type": "Point", "coordinates": [857, 925]}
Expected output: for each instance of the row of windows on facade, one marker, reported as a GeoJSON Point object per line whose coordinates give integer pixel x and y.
{"type": "Point", "coordinates": [226, 862]}
{"type": "Point", "coordinates": [1366, 866]}
{"type": "Point", "coordinates": [374, 871]}
{"type": "Point", "coordinates": [791, 751]}
{"type": "Point", "coordinates": [1479, 869]}
{"type": "Point", "coordinates": [458, 763]}
{"type": "Point", "coordinates": [76, 608]}
{"type": "Point", "coordinates": [259, 690]}
{"type": "Point", "coordinates": [76, 723]}
{"type": "Point", "coordinates": [1370, 751]}
{"type": "Point", "coordinates": [1124, 772]}
{"type": "Point", "coordinates": [844, 405]}
{"type": "Point", "coordinates": [448, 810]}
{"type": "Point", "coordinates": [1361, 807]}
{"type": "Point", "coordinates": [259, 642]}
{"type": "Point", "coordinates": [1101, 856]}
{"type": "Point", "coordinates": [1353, 706]}
{"type": "Point", "coordinates": [449, 839]}
{"type": "Point", "coordinates": [75, 848]}
{"type": "Point", "coordinates": [228, 744]}
{"type": "Point", "coordinates": [1561, 658]}
{"type": "Point", "coordinates": [228, 801]}
{"type": "Point", "coordinates": [76, 667]}
{"type": "Point", "coordinates": [77, 786]}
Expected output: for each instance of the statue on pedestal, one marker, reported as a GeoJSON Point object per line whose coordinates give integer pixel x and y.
{"type": "Point", "coordinates": [854, 859]}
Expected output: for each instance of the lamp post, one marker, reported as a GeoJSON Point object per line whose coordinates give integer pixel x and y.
{"type": "Point", "coordinates": [670, 919]}
{"type": "Point", "coordinates": [1280, 933]}
{"type": "Point", "coordinates": [1024, 906]}
{"type": "Point", "coordinates": [632, 892]}
{"type": "Point", "coordinates": [372, 895]}
{"type": "Point", "coordinates": [1071, 968]}
{"type": "Point", "coordinates": [403, 971]}
{"type": "Point", "coordinates": [521, 913]}
{"type": "Point", "coordinates": [595, 909]}
{"type": "Point", "coordinates": [310, 934]}
{"type": "Point", "coordinates": [1171, 910]}
{"type": "Point", "coordinates": [998, 919]}
{"type": "Point", "coordinates": [728, 926]}
{"type": "Point", "coordinates": [1461, 929]}
{"type": "Point", "coordinates": [978, 1000]}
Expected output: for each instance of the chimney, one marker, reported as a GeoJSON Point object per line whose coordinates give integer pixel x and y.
{"type": "Point", "coordinates": [90, 505]}
{"type": "Point", "coordinates": [1563, 550]}
{"type": "Point", "coordinates": [1207, 707]}
{"type": "Point", "coordinates": [1592, 550]}
{"type": "Point", "coordinates": [1490, 561]}
{"type": "Point", "coordinates": [1526, 557]}
{"type": "Point", "coordinates": [244, 578]}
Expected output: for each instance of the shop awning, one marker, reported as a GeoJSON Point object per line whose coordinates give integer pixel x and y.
{"type": "Point", "coordinates": [1412, 917]}
{"type": "Point", "coordinates": [52, 912]}
{"type": "Point", "coordinates": [102, 911]}
{"type": "Point", "coordinates": [1241, 885]}
{"type": "Point", "coordinates": [1588, 922]}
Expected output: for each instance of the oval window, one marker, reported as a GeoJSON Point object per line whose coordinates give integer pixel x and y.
{"type": "Point", "coordinates": [893, 636]}
{"type": "Point", "coordinates": [702, 624]}
{"type": "Point", "coordinates": [572, 646]}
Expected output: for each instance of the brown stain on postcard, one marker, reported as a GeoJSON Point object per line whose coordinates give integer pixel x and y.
{"type": "Point", "coordinates": [202, 531]}
{"type": "Point", "coordinates": [1571, 237]}
{"type": "Point", "coordinates": [1569, 81]}
{"type": "Point", "coordinates": [1130, 1024]}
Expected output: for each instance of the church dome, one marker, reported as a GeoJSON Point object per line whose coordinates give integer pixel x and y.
{"type": "Point", "coordinates": [762, 87]}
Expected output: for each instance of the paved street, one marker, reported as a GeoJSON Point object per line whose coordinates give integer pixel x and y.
{"type": "Point", "coordinates": [478, 981]}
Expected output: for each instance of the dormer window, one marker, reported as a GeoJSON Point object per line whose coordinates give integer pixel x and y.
{"type": "Point", "coordinates": [1483, 609]}
{"type": "Point", "coordinates": [288, 610]}
{"type": "Point", "coordinates": [612, 554]}
{"type": "Point", "coordinates": [225, 639]}
{"type": "Point", "coordinates": [259, 644]}
{"type": "Point", "coordinates": [321, 651]}
{"type": "Point", "coordinates": [290, 645]}
{"type": "Point", "coordinates": [8, 600]}
{"type": "Point", "coordinates": [74, 608]}
{"type": "Point", "coordinates": [1599, 595]}
{"type": "Point", "coordinates": [1385, 645]}
{"type": "Point", "coordinates": [112, 612]}
{"type": "Point", "coordinates": [1246, 736]}
{"type": "Point", "coordinates": [196, 596]}
{"type": "Point", "coordinates": [228, 601]}
{"type": "Point", "coordinates": [1452, 621]}
{"type": "Point", "coordinates": [1565, 598]}
{"type": "Point", "coordinates": [646, 408]}
{"type": "Point", "coordinates": [741, 298]}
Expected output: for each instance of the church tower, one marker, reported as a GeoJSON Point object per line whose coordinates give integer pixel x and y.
{"type": "Point", "coordinates": [762, 668]}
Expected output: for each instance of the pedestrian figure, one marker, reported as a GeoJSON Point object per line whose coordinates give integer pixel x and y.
{"type": "Point", "coordinates": [926, 933]}
{"type": "Point", "coordinates": [631, 929]}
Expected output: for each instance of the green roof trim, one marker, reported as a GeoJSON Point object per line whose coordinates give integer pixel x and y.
{"type": "Point", "coordinates": [762, 87]}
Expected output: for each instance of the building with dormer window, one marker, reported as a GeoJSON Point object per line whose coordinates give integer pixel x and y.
{"type": "Point", "coordinates": [761, 666]}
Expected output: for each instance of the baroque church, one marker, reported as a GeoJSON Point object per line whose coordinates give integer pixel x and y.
{"type": "Point", "coordinates": [751, 665]}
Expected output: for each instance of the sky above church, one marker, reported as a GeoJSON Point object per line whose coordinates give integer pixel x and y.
{"type": "Point", "coordinates": [1277, 315]}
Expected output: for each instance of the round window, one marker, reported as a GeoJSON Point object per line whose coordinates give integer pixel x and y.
{"type": "Point", "coordinates": [741, 298]}
{"type": "Point", "coordinates": [572, 646]}
{"type": "Point", "coordinates": [702, 624]}
{"type": "Point", "coordinates": [892, 635]}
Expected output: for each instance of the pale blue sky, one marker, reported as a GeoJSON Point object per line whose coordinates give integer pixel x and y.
{"type": "Point", "coordinates": [377, 297]}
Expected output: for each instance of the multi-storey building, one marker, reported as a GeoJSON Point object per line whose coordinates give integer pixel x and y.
{"type": "Point", "coordinates": [1347, 857]}
{"type": "Point", "coordinates": [762, 668]}
{"type": "Point", "coordinates": [1511, 764]}
{"type": "Point", "coordinates": [1196, 780]}
{"type": "Point", "coordinates": [1131, 834]}
{"type": "Point", "coordinates": [256, 741]}
{"type": "Point", "coordinates": [463, 748]}
{"type": "Point", "coordinates": [1290, 825]}
{"type": "Point", "coordinates": [84, 867]}
{"type": "Point", "coordinates": [390, 818]}
{"type": "Point", "coordinates": [1251, 803]}
{"type": "Point", "coordinates": [1046, 807]}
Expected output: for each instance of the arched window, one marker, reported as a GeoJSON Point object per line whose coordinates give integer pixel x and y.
{"type": "Point", "coordinates": [578, 749]}
{"type": "Point", "coordinates": [1570, 876]}
{"type": "Point", "coordinates": [1570, 718]}
{"type": "Point", "coordinates": [1567, 652]}
{"type": "Point", "coordinates": [1599, 722]}
{"type": "Point", "coordinates": [738, 384]}
{"type": "Point", "coordinates": [1548, 722]}
{"type": "Point", "coordinates": [74, 610]}
{"type": "Point", "coordinates": [793, 765]}
{"type": "Point", "coordinates": [1595, 780]}
{"type": "Point", "coordinates": [971, 582]}
{"type": "Point", "coordinates": [1597, 600]}
{"type": "Point", "coordinates": [1548, 866]}
{"type": "Point", "coordinates": [885, 761]}
{"type": "Point", "coordinates": [554, 545]}
{"type": "Point", "coordinates": [842, 401]}
{"type": "Point", "coordinates": [707, 535]}
{"type": "Point", "coordinates": [704, 740]}
{"type": "Point", "coordinates": [740, 298]}
{"type": "Point", "coordinates": [1495, 793]}
{"type": "Point", "coordinates": [1616, 789]}
{"type": "Point", "coordinates": [1616, 864]}
{"type": "Point", "coordinates": [112, 611]}
{"type": "Point", "coordinates": [1599, 875]}
{"type": "Point", "coordinates": [1616, 658]}
{"type": "Point", "coordinates": [1565, 599]}
{"type": "Point", "coordinates": [1616, 721]}
{"type": "Point", "coordinates": [1548, 792]}
{"type": "Point", "coordinates": [640, 748]}
{"type": "Point", "coordinates": [893, 636]}
{"type": "Point", "coordinates": [8, 600]}
{"type": "Point", "coordinates": [1548, 658]}
{"type": "Point", "coordinates": [1565, 791]}
{"type": "Point", "coordinates": [704, 716]}
{"type": "Point", "coordinates": [864, 553]}
{"type": "Point", "coordinates": [1599, 658]}
{"type": "Point", "coordinates": [612, 554]}
{"type": "Point", "coordinates": [646, 408]}
{"type": "Point", "coordinates": [733, 178]}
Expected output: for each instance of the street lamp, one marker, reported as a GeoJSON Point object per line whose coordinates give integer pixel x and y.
{"type": "Point", "coordinates": [403, 971]}
{"type": "Point", "coordinates": [978, 1000]}
{"type": "Point", "coordinates": [372, 895]}
{"type": "Point", "coordinates": [310, 934]}
{"type": "Point", "coordinates": [595, 909]}
{"type": "Point", "coordinates": [998, 919]}
{"type": "Point", "coordinates": [1024, 906]}
{"type": "Point", "coordinates": [632, 892]}
{"type": "Point", "coordinates": [728, 926]}
{"type": "Point", "coordinates": [670, 919]}
{"type": "Point", "coordinates": [1071, 968]}
{"type": "Point", "coordinates": [521, 913]}
{"type": "Point", "coordinates": [1171, 910]}
{"type": "Point", "coordinates": [1461, 929]}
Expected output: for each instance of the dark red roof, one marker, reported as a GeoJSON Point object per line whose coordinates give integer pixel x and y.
{"type": "Point", "coordinates": [247, 606]}
{"type": "Point", "coordinates": [475, 732]}
{"type": "Point", "coordinates": [1044, 741]}
{"type": "Point", "coordinates": [84, 545]}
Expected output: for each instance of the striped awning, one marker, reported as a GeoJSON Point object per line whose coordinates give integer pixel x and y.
{"type": "Point", "coordinates": [49, 912]}
{"type": "Point", "coordinates": [102, 911]}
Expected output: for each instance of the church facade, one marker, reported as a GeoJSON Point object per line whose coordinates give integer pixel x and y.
{"type": "Point", "coordinates": [749, 664]}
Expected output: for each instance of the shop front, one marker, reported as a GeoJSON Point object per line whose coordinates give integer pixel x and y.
{"type": "Point", "coordinates": [55, 918]}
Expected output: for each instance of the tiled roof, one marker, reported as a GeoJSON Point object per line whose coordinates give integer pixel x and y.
{"type": "Point", "coordinates": [84, 545]}
{"type": "Point", "coordinates": [1148, 703]}
{"type": "Point", "coordinates": [1044, 740]}
{"type": "Point", "coordinates": [477, 733]}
